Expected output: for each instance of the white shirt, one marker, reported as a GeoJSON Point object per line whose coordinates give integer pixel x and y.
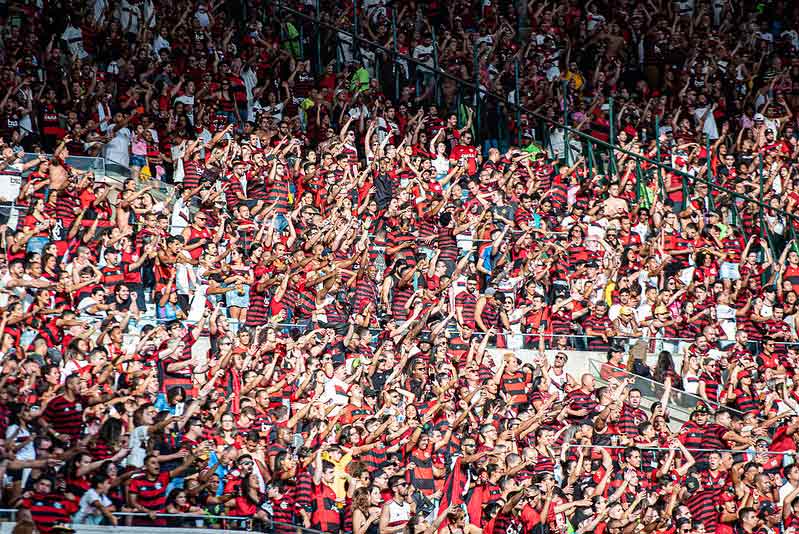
{"type": "Point", "coordinates": [159, 43]}
{"type": "Point", "coordinates": [710, 127]}
{"type": "Point", "coordinates": [786, 490]}
{"type": "Point", "coordinates": [330, 393]}
{"type": "Point", "coordinates": [441, 165]}
{"type": "Point", "coordinates": [87, 507]}
{"type": "Point", "coordinates": [177, 157]}
{"type": "Point", "coordinates": [16, 433]}
{"type": "Point", "coordinates": [74, 39]}
{"type": "Point", "coordinates": [117, 150]}
{"type": "Point", "coordinates": [3, 285]}
{"type": "Point", "coordinates": [424, 54]}
{"type": "Point", "coordinates": [138, 446]}
{"type": "Point", "coordinates": [188, 105]}
{"type": "Point", "coordinates": [202, 17]}
{"type": "Point", "coordinates": [250, 80]}
{"type": "Point", "coordinates": [88, 302]}
{"type": "Point", "coordinates": [72, 367]}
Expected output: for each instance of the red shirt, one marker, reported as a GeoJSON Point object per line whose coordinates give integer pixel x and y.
{"type": "Point", "coordinates": [468, 153]}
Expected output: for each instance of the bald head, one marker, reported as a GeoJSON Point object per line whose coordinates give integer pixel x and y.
{"type": "Point", "coordinates": [587, 381]}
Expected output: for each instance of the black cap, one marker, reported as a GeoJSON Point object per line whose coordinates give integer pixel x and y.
{"type": "Point", "coordinates": [701, 408]}
{"type": "Point", "coordinates": [768, 508]}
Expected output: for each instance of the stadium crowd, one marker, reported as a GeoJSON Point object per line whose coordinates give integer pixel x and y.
{"type": "Point", "coordinates": [353, 307]}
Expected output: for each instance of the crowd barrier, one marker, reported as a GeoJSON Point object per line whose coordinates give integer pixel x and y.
{"type": "Point", "coordinates": [176, 524]}
{"type": "Point", "coordinates": [578, 341]}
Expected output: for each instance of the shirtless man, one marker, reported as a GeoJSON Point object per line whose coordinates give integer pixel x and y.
{"type": "Point", "coordinates": [125, 203]}
{"type": "Point", "coordinates": [615, 206]}
{"type": "Point", "coordinates": [166, 260]}
{"type": "Point", "coordinates": [60, 172]}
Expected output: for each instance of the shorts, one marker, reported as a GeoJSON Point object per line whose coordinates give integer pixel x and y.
{"type": "Point", "coordinates": [236, 300]}
{"type": "Point", "coordinates": [138, 161]}
{"type": "Point", "coordinates": [729, 271]}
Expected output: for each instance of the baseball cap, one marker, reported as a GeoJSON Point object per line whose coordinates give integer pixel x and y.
{"type": "Point", "coordinates": [768, 508]}
{"type": "Point", "coordinates": [701, 408]}
{"type": "Point", "coordinates": [744, 374]}
{"type": "Point", "coordinates": [759, 117]}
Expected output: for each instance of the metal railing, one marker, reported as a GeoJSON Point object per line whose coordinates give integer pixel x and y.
{"type": "Point", "coordinates": [229, 523]}
{"type": "Point", "coordinates": [749, 452]}
{"type": "Point", "coordinates": [577, 341]}
{"type": "Point", "coordinates": [678, 399]}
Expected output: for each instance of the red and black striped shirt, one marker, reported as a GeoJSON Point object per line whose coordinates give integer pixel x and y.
{"type": "Point", "coordinates": [150, 494]}
{"type": "Point", "coordinates": [49, 510]}
{"type": "Point", "coordinates": [66, 416]}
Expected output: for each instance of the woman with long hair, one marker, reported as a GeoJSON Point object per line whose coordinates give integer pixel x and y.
{"type": "Point", "coordinates": [366, 510]}
{"type": "Point", "coordinates": [664, 368]}
{"type": "Point", "coordinates": [179, 502]}
{"type": "Point", "coordinates": [122, 300]}
{"type": "Point", "coordinates": [108, 440]}
{"type": "Point", "coordinates": [39, 222]}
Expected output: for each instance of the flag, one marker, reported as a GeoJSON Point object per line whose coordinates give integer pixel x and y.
{"type": "Point", "coordinates": [455, 488]}
{"type": "Point", "coordinates": [533, 149]}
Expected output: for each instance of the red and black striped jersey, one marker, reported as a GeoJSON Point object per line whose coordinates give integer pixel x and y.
{"type": "Point", "coordinates": [66, 416]}
{"type": "Point", "coordinates": [49, 510]}
{"type": "Point", "coordinates": [150, 494]}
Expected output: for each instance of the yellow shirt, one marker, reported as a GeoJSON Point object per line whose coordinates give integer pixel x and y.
{"type": "Point", "coordinates": [340, 476]}
{"type": "Point", "coordinates": [576, 78]}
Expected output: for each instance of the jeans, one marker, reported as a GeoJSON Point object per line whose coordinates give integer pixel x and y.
{"type": "Point", "coordinates": [36, 244]}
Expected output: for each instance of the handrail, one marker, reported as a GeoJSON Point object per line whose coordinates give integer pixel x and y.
{"type": "Point", "coordinates": [248, 519]}
{"type": "Point", "coordinates": [185, 516]}
{"type": "Point", "coordinates": [508, 334]}
{"type": "Point", "coordinates": [12, 512]}
{"type": "Point", "coordinates": [596, 368]}
{"type": "Point", "coordinates": [748, 451]}
{"type": "Point", "coordinates": [484, 92]}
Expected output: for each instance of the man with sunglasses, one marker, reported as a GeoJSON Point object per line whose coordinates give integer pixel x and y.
{"type": "Point", "coordinates": [397, 512]}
